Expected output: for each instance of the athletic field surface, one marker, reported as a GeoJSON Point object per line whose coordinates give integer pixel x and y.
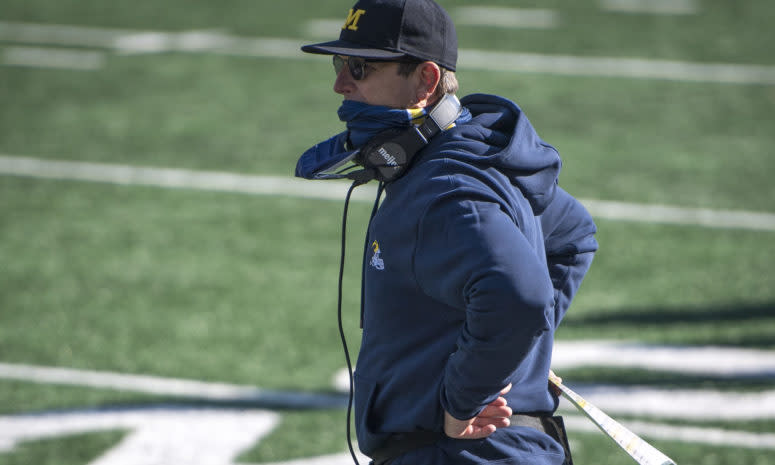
{"type": "Point", "coordinates": [168, 289]}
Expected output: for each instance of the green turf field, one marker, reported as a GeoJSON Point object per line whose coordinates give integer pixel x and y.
{"type": "Point", "coordinates": [237, 288]}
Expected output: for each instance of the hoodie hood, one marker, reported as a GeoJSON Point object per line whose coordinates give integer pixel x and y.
{"type": "Point", "coordinates": [499, 136]}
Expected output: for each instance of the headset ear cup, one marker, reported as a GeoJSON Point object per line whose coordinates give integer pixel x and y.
{"type": "Point", "coordinates": [385, 155]}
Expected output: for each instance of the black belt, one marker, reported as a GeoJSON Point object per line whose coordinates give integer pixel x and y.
{"type": "Point", "coordinates": [401, 443]}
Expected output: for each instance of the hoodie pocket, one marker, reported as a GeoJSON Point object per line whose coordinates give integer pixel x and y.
{"type": "Point", "coordinates": [367, 420]}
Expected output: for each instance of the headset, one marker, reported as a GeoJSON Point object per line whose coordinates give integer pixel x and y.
{"type": "Point", "coordinates": [389, 154]}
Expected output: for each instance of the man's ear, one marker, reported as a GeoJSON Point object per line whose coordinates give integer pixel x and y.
{"type": "Point", "coordinates": [429, 75]}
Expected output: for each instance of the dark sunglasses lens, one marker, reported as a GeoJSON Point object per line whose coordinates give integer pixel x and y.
{"type": "Point", "coordinates": [338, 64]}
{"type": "Point", "coordinates": [356, 66]}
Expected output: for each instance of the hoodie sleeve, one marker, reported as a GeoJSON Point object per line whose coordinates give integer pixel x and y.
{"type": "Point", "coordinates": [472, 257]}
{"type": "Point", "coordinates": [570, 246]}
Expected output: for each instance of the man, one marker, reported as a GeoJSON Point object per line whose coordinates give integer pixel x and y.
{"type": "Point", "coordinates": [472, 258]}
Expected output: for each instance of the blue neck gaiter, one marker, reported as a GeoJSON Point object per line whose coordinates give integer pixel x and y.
{"type": "Point", "coordinates": [363, 121]}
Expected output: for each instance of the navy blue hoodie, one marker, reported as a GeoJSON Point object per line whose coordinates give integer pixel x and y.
{"type": "Point", "coordinates": [473, 258]}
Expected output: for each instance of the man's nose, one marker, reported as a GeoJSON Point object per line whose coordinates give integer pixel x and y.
{"type": "Point", "coordinates": [344, 82]}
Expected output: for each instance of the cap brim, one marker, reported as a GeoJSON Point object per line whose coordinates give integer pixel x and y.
{"type": "Point", "coordinates": [342, 47]}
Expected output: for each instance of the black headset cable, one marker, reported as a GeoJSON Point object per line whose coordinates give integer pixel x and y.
{"type": "Point", "coordinates": [339, 305]}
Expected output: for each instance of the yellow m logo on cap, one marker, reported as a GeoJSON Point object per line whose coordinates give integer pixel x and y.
{"type": "Point", "coordinates": [353, 16]}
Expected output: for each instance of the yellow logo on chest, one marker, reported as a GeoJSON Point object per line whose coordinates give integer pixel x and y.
{"type": "Point", "coordinates": [376, 261]}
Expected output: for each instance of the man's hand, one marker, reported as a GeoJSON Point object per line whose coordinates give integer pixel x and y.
{"type": "Point", "coordinates": [495, 415]}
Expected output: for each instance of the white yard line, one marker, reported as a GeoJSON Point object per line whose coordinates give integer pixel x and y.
{"type": "Point", "coordinates": [691, 434]}
{"type": "Point", "coordinates": [40, 57]}
{"type": "Point", "coordinates": [156, 434]}
{"type": "Point", "coordinates": [510, 18]}
{"type": "Point", "coordinates": [156, 385]}
{"type": "Point", "coordinates": [693, 404]}
{"type": "Point", "coordinates": [128, 42]}
{"type": "Point", "coordinates": [683, 404]}
{"type": "Point", "coordinates": [60, 34]}
{"type": "Point", "coordinates": [178, 178]}
{"type": "Point", "coordinates": [636, 68]}
{"type": "Point", "coordinates": [657, 7]}
{"type": "Point", "coordinates": [652, 213]}
{"type": "Point", "coordinates": [332, 190]}
{"type": "Point", "coordinates": [725, 362]}
{"type": "Point", "coordinates": [324, 28]}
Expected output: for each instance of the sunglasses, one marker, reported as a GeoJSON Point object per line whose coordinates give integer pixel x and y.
{"type": "Point", "coordinates": [357, 66]}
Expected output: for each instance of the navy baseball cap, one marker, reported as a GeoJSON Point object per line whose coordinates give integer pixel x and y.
{"type": "Point", "coordinates": [392, 29]}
